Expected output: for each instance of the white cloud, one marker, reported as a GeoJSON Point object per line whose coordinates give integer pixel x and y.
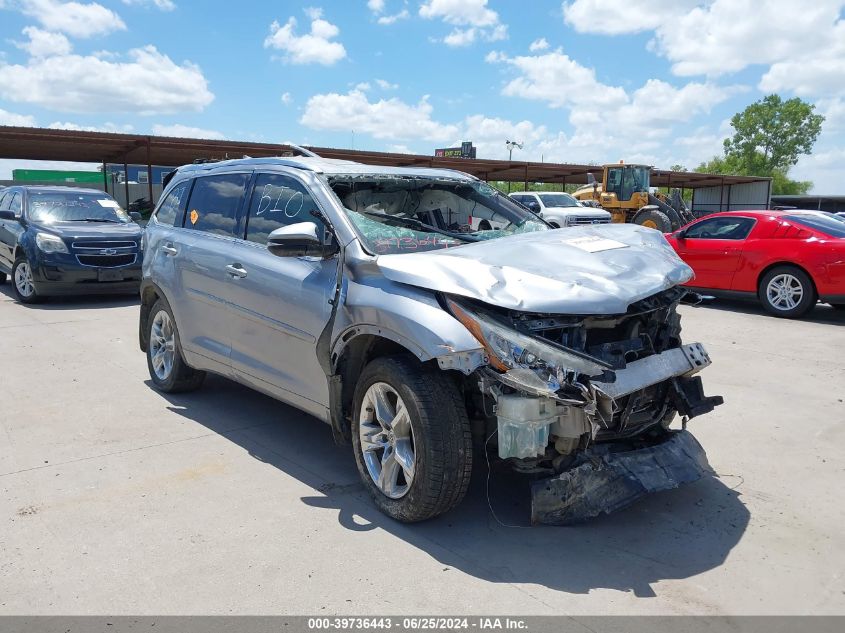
{"type": "Point", "coordinates": [383, 119]}
{"type": "Point", "coordinates": [606, 119]}
{"type": "Point", "coordinates": [472, 20]}
{"type": "Point", "coordinates": [377, 7]}
{"type": "Point", "coordinates": [362, 86]}
{"type": "Point", "coordinates": [461, 12]}
{"type": "Point", "coordinates": [150, 82]}
{"type": "Point", "coordinates": [186, 131]}
{"type": "Point", "coordinates": [164, 5]}
{"type": "Point", "coordinates": [44, 43]}
{"type": "Point", "coordinates": [390, 19]}
{"type": "Point", "coordinates": [74, 18]}
{"type": "Point", "coordinates": [386, 85]}
{"type": "Point", "coordinates": [538, 45]}
{"type": "Point", "coordinates": [315, 47]}
{"type": "Point", "coordinates": [544, 77]}
{"type": "Point", "coordinates": [19, 120]}
{"type": "Point", "coordinates": [614, 17]}
{"type": "Point", "coordinates": [287, 99]}
{"type": "Point", "coordinates": [717, 37]}
{"type": "Point", "coordinates": [811, 73]}
{"type": "Point", "coordinates": [460, 37]}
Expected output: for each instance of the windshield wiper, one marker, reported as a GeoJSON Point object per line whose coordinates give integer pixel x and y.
{"type": "Point", "coordinates": [411, 223]}
{"type": "Point", "coordinates": [101, 220]}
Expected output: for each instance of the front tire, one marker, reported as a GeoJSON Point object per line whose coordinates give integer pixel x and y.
{"type": "Point", "coordinates": [168, 369]}
{"type": "Point", "coordinates": [411, 438]}
{"type": "Point", "coordinates": [23, 283]}
{"type": "Point", "coordinates": [787, 292]}
{"type": "Point", "coordinates": [654, 219]}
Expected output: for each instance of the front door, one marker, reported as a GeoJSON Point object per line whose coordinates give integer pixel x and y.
{"type": "Point", "coordinates": [713, 248]}
{"type": "Point", "coordinates": [280, 305]}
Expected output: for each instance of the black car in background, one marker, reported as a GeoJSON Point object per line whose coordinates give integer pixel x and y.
{"type": "Point", "coordinates": [67, 240]}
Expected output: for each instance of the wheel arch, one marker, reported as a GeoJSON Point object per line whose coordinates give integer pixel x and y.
{"type": "Point", "coordinates": [357, 347]}
{"type": "Point", "coordinates": [769, 267]}
{"type": "Point", "coordinates": [150, 293]}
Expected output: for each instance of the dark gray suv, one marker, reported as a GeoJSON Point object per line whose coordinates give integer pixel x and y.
{"type": "Point", "coordinates": [367, 297]}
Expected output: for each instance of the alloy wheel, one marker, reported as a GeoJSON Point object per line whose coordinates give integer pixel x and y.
{"type": "Point", "coordinates": [784, 292]}
{"type": "Point", "coordinates": [387, 440]}
{"type": "Point", "coordinates": [162, 345]}
{"type": "Point", "coordinates": [23, 280]}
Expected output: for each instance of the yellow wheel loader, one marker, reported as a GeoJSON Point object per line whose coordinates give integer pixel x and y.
{"type": "Point", "coordinates": [625, 192]}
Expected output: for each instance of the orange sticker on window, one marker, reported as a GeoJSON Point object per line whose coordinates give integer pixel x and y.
{"type": "Point", "coordinates": [194, 216]}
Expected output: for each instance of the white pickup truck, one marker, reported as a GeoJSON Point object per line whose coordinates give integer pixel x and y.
{"type": "Point", "coordinates": [560, 209]}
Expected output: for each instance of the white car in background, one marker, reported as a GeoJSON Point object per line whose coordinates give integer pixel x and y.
{"type": "Point", "coordinates": [560, 209]}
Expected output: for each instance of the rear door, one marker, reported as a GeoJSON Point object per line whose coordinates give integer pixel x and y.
{"type": "Point", "coordinates": [280, 305]}
{"type": "Point", "coordinates": [10, 230]}
{"type": "Point", "coordinates": [201, 254]}
{"type": "Point", "coordinates": [713, 248]}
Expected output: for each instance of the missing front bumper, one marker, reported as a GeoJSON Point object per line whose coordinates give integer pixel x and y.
{"type": "Point", "coordinates": [606, 481]}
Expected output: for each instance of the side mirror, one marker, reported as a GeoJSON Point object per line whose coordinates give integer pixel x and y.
{"type": "Point", "coordinates": [136, 217]}
{"type": "Point", "coordinates": [298, 240]}
{"type": "Point", "coordinates": [7, 215]}
{"type": "Point", "coordinates": [680, 235]}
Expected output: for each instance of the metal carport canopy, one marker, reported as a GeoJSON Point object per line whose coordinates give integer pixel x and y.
{"type": "Point", "coordinates": [102, 147]}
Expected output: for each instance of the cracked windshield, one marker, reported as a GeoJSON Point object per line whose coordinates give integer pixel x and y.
{"type": "Point", "coordinates": [405, 215]}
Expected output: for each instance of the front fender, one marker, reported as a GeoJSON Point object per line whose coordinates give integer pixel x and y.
{"type": "Point", "coordinates": [409, 316]}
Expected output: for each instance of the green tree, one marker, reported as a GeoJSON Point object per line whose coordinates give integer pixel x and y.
{"type": "Point", "coordinates": [769, 137]}
{"type": "Point", "coordinates": [771, 134]}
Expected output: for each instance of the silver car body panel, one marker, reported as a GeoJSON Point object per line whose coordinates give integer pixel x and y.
{"type": "Point", "coordinates": [584, 270]}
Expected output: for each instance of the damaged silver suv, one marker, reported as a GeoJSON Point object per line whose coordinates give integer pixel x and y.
{"type": "Point", "coordinates": [365, 296]}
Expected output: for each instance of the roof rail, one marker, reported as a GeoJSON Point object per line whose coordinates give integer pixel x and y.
{"type": "Point", "coordinates": [301, 151]}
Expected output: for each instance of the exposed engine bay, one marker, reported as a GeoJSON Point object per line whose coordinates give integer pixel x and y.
{"type": "Point", "coordinates": [557, 388]}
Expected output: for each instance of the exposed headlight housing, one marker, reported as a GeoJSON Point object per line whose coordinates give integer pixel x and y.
{"type": "Point", "coordinates": [48, 243]}
{"type": "Point", "coordinates": [509, 349]}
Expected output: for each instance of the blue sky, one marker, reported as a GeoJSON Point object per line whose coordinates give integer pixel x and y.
{"type": "Point", "coordinates": [576, 81]}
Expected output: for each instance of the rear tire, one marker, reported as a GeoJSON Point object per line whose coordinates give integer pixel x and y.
{"type": "Point", "coordinates": [168, 370]}
{"type": "Point", "coordinates": [787, 292]}
{"type": "Point", "coordinates": [416, 417]}
{"type": "Point", "coordinates": [23, 283]}
{"type": "Point", "coordinates": [654, 219]}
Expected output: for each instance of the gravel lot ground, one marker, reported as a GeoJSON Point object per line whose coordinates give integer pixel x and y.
{"type": "Point", "coordinates": [115, 499]}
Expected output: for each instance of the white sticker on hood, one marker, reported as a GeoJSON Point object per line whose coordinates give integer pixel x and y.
{"type": "Point", "coordinates": [109, 203]}
{"type": "Point", "coordinates": [594, 244]}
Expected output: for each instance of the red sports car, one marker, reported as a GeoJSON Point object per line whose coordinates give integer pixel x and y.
{"type": "Point", "coordinates": [786, 259]}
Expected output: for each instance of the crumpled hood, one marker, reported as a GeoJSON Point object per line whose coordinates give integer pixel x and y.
{"type": "Point", "coordinates": [584, 270]}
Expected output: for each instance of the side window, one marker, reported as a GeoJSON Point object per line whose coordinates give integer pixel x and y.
{"type": "Point", "coordinates": [721, 229]}
{"type": "Point", "coordinates": [173, 206]}
{"type": "Point", "coordinates": [277, 201]}
{"type": "Point", "coordinates": [4, 198]}
{"type": "Point", "coordinates": [15, 204]}
{"type": "Point", "coordinates": [214, 204]}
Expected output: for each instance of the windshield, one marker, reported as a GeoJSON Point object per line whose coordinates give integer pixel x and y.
{"type": "Point", "coordinates": [399, 214]}
{"type": "Point", "coordinates": [558, 200]}
{"type": "Point", "coordinates": [821, 223]}
{"type": "Point", "coordinates": [66, 206]}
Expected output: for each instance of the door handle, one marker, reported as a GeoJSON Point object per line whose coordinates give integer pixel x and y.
{"type": "Point", "coordinates": [168, 249]}
{"type": "Point", "coordinates": [236, 270]}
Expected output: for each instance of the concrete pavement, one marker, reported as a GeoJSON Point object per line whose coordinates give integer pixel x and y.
{"type": "Point", "coordinates": [116, 499]}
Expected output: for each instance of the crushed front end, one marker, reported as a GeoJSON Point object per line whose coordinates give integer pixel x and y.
{"type": "Point", "coordinates": [584, 402]}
